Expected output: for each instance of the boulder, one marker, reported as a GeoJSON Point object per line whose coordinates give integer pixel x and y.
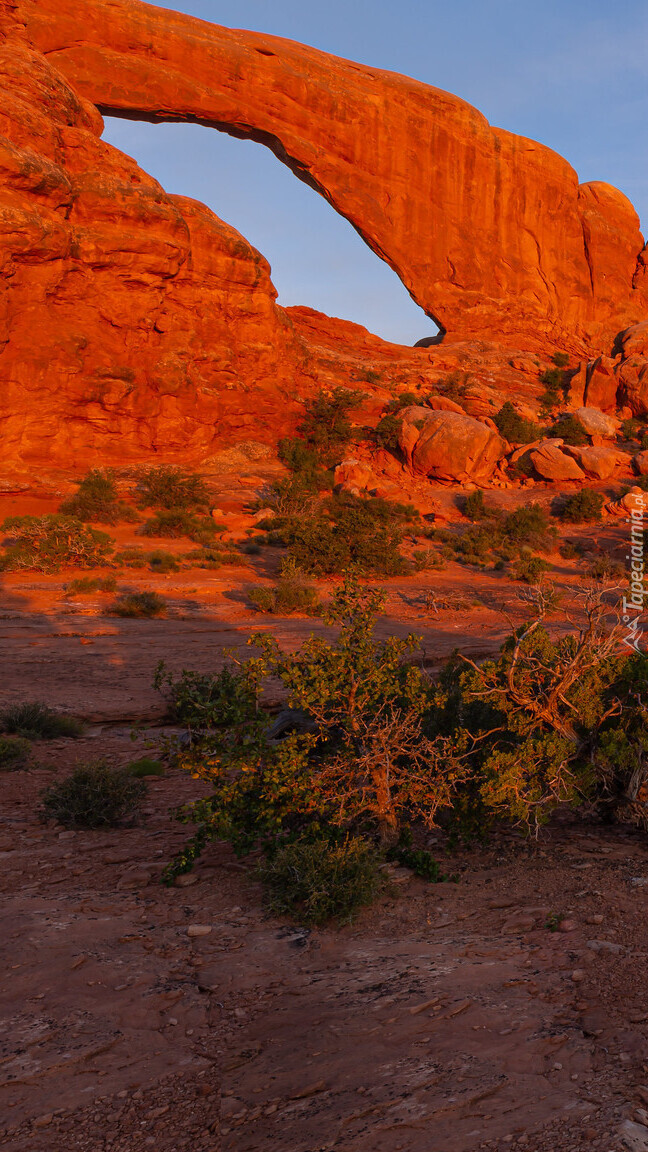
{"type": "Point", "coordinates": [354, 476]}
{"type": "Point", "coordinates": [448, 445]}
{"type": "Point", "coordinates": [640, 462]}
{"type": "Point", "coordinates": [551, 463]}
{"type": "Point", "coordinates": [597, 423]}
{"type": "Point", "coordinates": [633, 500]}
{"type": "Point", "coordinates": [602, 384]}
{"type": "Point", "coordinates": [442, 404]}
{"type": "Point", "coordinates": [633, 375]}
{"type": "Point", "coordinates": [599, 463]}
{"type": "Point", "coordinates": [635, 339]}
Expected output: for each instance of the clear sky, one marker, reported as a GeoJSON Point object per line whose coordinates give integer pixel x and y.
{"type": "Point", "coordinates": [570, 73]}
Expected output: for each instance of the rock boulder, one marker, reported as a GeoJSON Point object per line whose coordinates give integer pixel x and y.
{"type": "Point", "coordinates": [448, 445]}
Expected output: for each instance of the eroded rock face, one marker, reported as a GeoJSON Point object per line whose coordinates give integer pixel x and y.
{"type": "Point", "coordinates": [551, 463]}
{"type": "Point", "coordinates": [447, 445]}
{"type": "Point", "coordinates": [490, 232]}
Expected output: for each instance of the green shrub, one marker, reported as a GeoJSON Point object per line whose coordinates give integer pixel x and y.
{"type": "Point", "coordinates": [359, 532]}
{"type": "Point", "coordinates": [427, 560]}
{"type": "Point", "coordinates": [175, 523]}
{"type": "Point", "coordinates": [454, 385]}
{"type": "Point", "coordinates": [324, 433]}
{"type": "Point", "coordinates": [569, 429]}
{"type": "Point", "coordinates": [140, 605]}
{"type": "Point", "coordinates": [48, 543]}
{"type": "Point", "coordinates": [202, 701]}
{"type": "Point", "coordinates": [145, 766]}
{"type": "Point", "coordinates": [530, 569]}
{"type": "Point", "coordinates": [171, 488]}
{"type": "Point", "coordinates": [292, 593]}
{"type": "Point", "coordinates": [316, 881]}
{"type": "Point", "coordinates": [85, 585]}
{"type": "Point", "coordinates": [97, 501]}
{"type": "Point", "coordinates": [36, 721]}
{"type": "Point", "coordinates": [14, 753]}
{"type": "Point", "coordinates": [418, 860]}
{"type": "Point", "coordinates": [161, 561]}
{"type": "Point", "coordinates": [583, 507]}
{"type": "Point", "coordinates": [387, 431]}
{"type": "Point", "coordinates": [556, 381]}
{"type": "Point", "coordinates": [529, 524]}
{"type": "Point", "coordinates": [604, 568]}
{"type": "Point", "coordinates": [93, 796]}
{"type": "Point", "coordinates": [629, 429]}
{"type": "Point", "coordinates": [212, 558]}
{"type": "Point", "coordinates": [514, 427]}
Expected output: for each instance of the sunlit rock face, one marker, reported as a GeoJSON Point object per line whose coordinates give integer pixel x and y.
{"type": "Point", "coordinates": [135, 322]}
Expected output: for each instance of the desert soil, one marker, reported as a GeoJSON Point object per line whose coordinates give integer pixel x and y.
{"type": "Point", "coordinates": [446, 1017]}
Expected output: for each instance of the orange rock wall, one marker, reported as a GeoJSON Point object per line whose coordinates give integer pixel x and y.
{"type": "Point", "coordinates": [490, 232]}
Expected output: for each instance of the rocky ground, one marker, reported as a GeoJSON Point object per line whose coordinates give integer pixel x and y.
{"type": "Point", "coordinates": [451, 1016]}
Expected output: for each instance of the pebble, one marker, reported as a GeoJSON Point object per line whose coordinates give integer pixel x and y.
{"type": "Point", "coordinates": [567, 926]}
{"type": "Point", "coordinates": [198, 930]}
{"type": "Point", "coordinates": [185, 880]}
{"type": "Point", "coordinates": [578, 975]}
{"type": "Point", "coordinates": [604, 946]}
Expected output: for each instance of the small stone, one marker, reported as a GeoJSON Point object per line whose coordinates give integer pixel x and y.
{"type": "Point", "coordinates": [567, 926]}
{"type": "Point", "coordinates": [604, 946]}
{"type": "Point", "coordinates": [198, 930]}
{"type": "Point", "coordinates": [185, 880]}
{"type": "Point", "coordinates": [43, 1121]}
{"type": "Point", "coordinates": [578, 975]}
{"type": "Point", "coordinates": [634, 1136]}
{"type": "Point", "coordinates": [597, 919]}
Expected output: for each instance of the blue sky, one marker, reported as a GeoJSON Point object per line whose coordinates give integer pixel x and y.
{"type": "Point", "coordinates": [572, 74]}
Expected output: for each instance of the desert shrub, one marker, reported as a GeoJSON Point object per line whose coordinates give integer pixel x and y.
{"type": "Point", "coordinates": [14, 753]}
{"type": "Point", "coordinates": [145, 766]}
{"type": "Point", "coordinates": [387, 431]}
{"type": "Point", "coordinates": [139, 605]}
{"type": "Point", "coordinates": [530, 569]}
{"type": "Point", "coordinates": [252, 547]}
{"type": "Point", "coordinates": [629, 429]}
{"type": "Point", "coordinates": [292, 593]}
{"type": "Point", "coordinates": [514, 427]}
{"type": "Point", "coordinates": [529, 524]}
{"type": "Point", "coordinates": [569, 551]}
{"type": "Point", "coordinates": [323, 435]}
{"type": "Point", "coordinates": [360, 763]}
{"type": "Point", "coordinates": [203, 701]}
{"type": "Point", "coordinates": [161, 561]}
{"type": "Point", "coordinates": [418, 860]}
{"type": "Point", "coordinates": [317, 881]}
{"type": "Point", "coordinates": [175, 523]}
{"type": "Point", "coordinates": [97, 501]}
{"type": "Point", "coordinates": [212, 557]}
{"type": "Point", "coordinates": [556, 381]}
{"type": "Point", "coordinates": [569, 429]}
{"type": "Point", "coordinates": [37, 721]}
{"type": "Point", "coordinates": [359, 532]}
{"type": "Point", "coordinates": [427, 560]}
{"type": "Point", "coordinates": [605, 569]}
{"type": "Point", "coordinates": [93, 796]}
{"type": "Point", "coordinates": [48, 543]}
{"type": "Point", "coordinates": [454, 385]}
{"type": "Point", "coordinates": [501, 538]}
{"type": "Point", "coordinates": [582, 507]}
{"type": "Point", "coordinates": [86, 585]}
{"type": "Point", "coordinates": [171, 488]}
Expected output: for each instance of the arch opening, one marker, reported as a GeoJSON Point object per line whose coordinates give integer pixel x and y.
{"type": "Point", "coordinates": [318, 259]}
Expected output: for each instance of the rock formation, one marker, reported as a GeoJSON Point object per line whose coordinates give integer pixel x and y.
{"type": "Point", "coordinates": [134, 322]}
{"type": "Point", "coordinates": [490, 232]}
